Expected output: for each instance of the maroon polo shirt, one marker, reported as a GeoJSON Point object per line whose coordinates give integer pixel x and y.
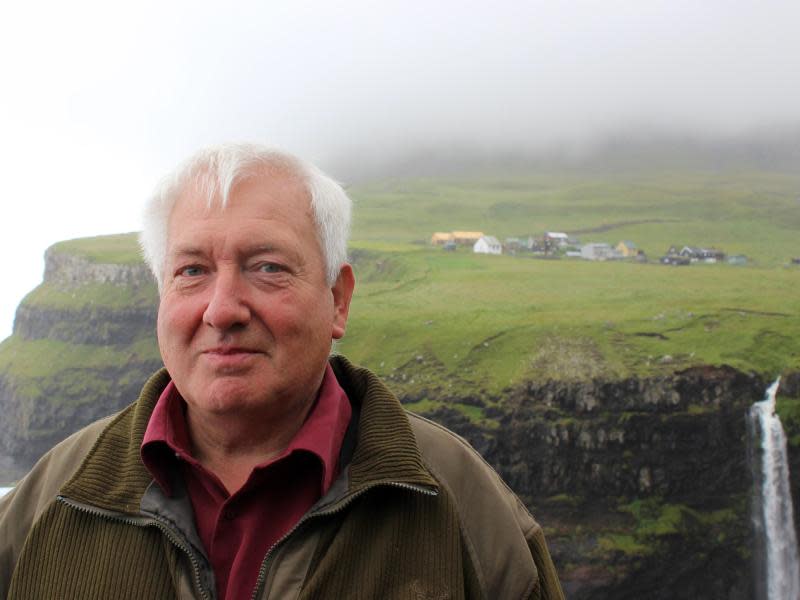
{"type": "Point", "coordinates": [238, 529]}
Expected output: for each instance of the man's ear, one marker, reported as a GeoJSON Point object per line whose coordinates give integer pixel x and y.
{"type": "Point", "coordinates": [342, 294]}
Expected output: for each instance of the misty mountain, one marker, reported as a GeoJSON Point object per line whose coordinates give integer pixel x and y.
{"type": "Point", "coordinates": [776, 150]}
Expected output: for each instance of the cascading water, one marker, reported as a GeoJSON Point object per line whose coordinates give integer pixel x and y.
{"type": "Point", "coordinates": [774, 514]}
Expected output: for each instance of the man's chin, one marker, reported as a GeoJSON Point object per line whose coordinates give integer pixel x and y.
{"type": "Point", "coordinates": [230, 395]}
{"type": "Point", "coordinates": [227, 381]}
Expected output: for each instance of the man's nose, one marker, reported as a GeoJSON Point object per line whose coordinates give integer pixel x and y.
{"type": "Point", "coordinates": [227, 306]}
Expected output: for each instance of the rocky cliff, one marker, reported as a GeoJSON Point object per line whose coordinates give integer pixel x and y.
{"type": "Point", "coordinates": [81, 346]}
{"type": "Point", "coordinates": [643, 484]}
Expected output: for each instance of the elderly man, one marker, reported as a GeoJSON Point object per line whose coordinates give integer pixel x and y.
{"type": "Point", "coordinates": [253, 465]}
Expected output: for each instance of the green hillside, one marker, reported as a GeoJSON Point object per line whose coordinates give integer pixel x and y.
{"type": "Point", "coordinates": [118, 249]}
{"type": "Point", "coordinates": [751, 213]}
{"type": "Point", "coordinates": [493, 321]}
{"type": "Point", "coordinates": [457, 320]}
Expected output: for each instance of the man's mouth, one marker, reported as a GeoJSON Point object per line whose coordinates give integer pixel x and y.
{"type": "Point", "coordinates": [229, 350]}
{"type": "Point", "coordinates": [230, 359]}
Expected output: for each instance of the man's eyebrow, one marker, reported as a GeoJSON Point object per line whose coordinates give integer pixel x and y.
{"type": "Point", "coordinates": [248, 250]}
{"type": "Point", "coordinates": [259, 249]}
{"type": "Point", "coordinates": [187, 251]}
{"type": "Point", "coordinates": [192, 251]}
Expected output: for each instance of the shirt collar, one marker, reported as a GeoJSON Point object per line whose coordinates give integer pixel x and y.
{"type": "Point", "coordinates": [322, 433]}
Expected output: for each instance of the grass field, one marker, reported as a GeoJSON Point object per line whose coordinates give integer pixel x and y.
{"type": "Point", "coordinates": [751, 213]}
{"type": "Point", "coordinates": [120, 249]}
{"type": "Point", "coordinates": [460, 320]}
{"type": "Point", "coordinates": [55, 296]}
{"type": "Point", "coordinates": [493, 321]}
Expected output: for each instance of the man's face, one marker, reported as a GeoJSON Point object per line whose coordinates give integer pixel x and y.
{"type": "Point", "coordinates": [246, 318]}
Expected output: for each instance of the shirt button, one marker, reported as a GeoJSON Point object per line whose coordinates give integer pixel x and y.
{"type": "Point", "coordinates": [228, 514]}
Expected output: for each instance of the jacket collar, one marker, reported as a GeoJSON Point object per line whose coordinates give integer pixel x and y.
{"type": "Point", "coordinates": [112, 476]}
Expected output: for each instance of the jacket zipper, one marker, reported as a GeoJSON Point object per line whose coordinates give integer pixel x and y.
{"type": "Point", "coordinates": [262, 572]}
{"type": "Point", "coordinates": [143, 522]}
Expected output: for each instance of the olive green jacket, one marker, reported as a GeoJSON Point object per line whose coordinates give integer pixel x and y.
{"type": "Point", "coordinates": [416, 514]}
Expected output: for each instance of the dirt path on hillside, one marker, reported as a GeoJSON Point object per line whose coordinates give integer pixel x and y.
{"type": "Point", "coordinates": [610, 226]}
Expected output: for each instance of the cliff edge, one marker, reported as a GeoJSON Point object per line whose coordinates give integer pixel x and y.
{"type": "Point", "coordinates": [82, 343]}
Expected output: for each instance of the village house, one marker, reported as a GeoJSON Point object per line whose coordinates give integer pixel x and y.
{"type": "Point", "coordinates": [534, 245]}
{"type": "Point", "coordinates": [627, 249]}
{"type": "Point", "coordinates": [707, 255]}
{"type": "Point", "coordinates": [690, 252]}
{"type": "Point", "coordinates": [460, 238]}
{"type": "Point", "coordinates": [598, 251]}
{"type": "Point", "coordinates": [466, 238]}
{"type": "Point", "coordinates": [513, 245]}
{"type": "Point", "coordinates": [440, 238]}
{"type": "Point", "coordinates": [556, 238]}
{"type": "Point", "coordinates": [713, 255]}
{"type": "Point", "coordinates": [487, 244]}
{"type": "Point", "coordinates": [695, 254]}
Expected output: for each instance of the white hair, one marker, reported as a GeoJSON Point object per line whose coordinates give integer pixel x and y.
{"type": "Point", "coordinates": [214, 171]}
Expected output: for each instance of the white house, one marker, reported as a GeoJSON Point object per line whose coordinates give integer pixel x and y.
{"type": "Point", "coordinates": [598, 251]}
{"type": "Point", "coordinates": [487, 244]}
{"type": "Point", "coordinates": [557, 238]}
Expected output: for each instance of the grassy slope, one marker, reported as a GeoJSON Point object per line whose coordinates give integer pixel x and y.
{"type": "Point", "coordinates": [30, 362]}
{"type": "Point", "coordinates": [108, 295]}
{"type": "Point", "coordinates": [495, 320]}
{"type": "Point", "coordinates": [120, 248]}
{"type": "Point", "coordinates": [756, 214]}
{"type": "Point", "coordinates": [30, 359]}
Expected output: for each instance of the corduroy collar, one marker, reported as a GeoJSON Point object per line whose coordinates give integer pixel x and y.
{"type": "Point", "coordinates": [112, 476]}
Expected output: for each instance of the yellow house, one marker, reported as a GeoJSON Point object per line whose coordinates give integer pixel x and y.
{"type": "Point", "coordinates": [627, 248]}
{"type": "Point", "coordinates": [465, 238]}
{"type": "Point", "coordinates": [440, 238]}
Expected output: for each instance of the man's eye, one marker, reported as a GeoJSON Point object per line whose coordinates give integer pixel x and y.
{"type": "Point", "coordinates": [192, 271]}
{"type": "Point", "coordinates": [270, 268]}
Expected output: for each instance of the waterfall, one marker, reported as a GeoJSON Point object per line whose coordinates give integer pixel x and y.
{"type": "Point", "coordinates": [774, 515]}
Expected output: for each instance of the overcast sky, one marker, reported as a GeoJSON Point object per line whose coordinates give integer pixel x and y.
{"type": "Point", "coordinates": [99, 99]}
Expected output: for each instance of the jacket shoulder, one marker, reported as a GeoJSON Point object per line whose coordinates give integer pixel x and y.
{"type": "Point", "coordinates": [495, 524]}
{"type": "Point", "coordinates": [457, 465]}
{"type": "Point", "coordinates": [56, 467]}
{"type": "Point", "coordinates": [22, 506]}
{"type": "Point", "coordinates": [505, 542]}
